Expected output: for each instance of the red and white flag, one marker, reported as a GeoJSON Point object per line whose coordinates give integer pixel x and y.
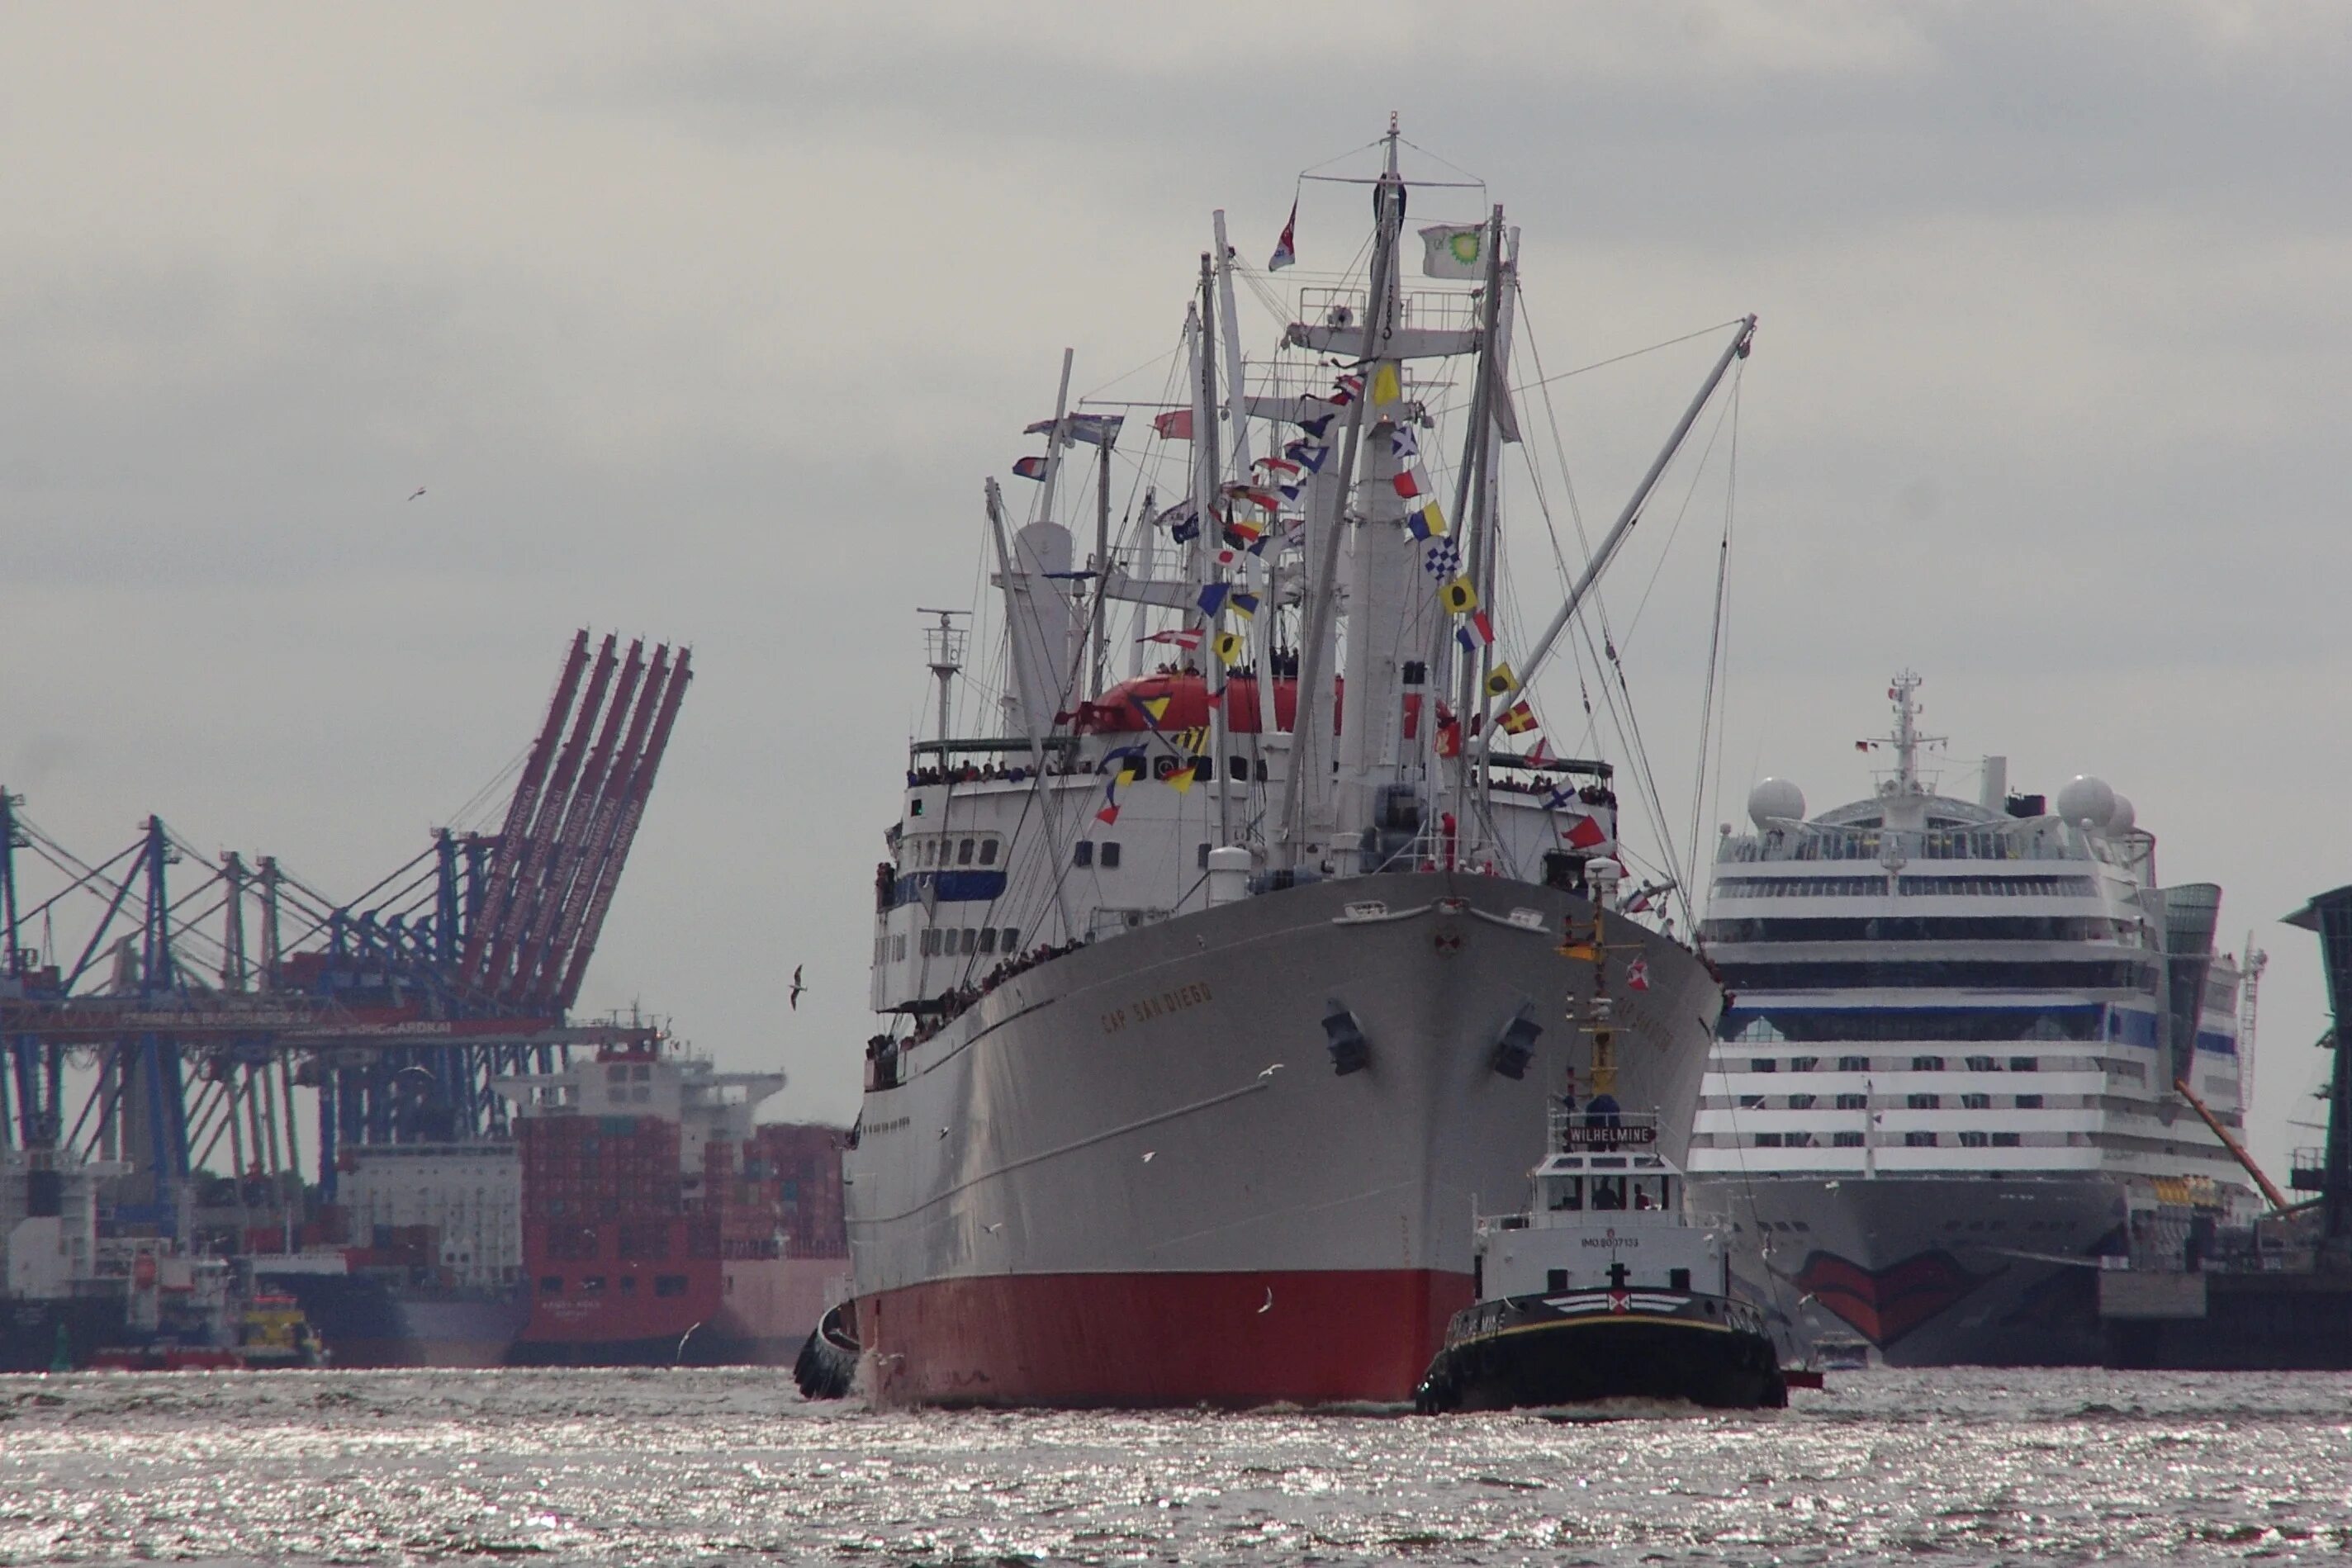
{"type": "Point", "coordinates": [1585, 832]}
{"type": "Point", "coordinates": [1286, 251]}
{"type": "Point", "coordinates": [1637, 974]}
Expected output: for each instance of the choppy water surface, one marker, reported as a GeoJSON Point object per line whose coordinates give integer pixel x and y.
{"type": "Point", "coordinates": [361, 1468]}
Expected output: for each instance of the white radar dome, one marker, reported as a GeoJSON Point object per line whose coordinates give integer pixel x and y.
{"type": "Point", "coordinates": [2123, 818]}
{"type": "Point", "coordinates": [1775, 799]}
{"type": "Point", "coordinates": [2086, 801]}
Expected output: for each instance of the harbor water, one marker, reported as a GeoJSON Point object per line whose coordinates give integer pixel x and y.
{"type": "Point", "coordinates": [731, 1465]}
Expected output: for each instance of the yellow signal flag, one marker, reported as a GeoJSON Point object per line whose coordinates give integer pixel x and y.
{"type": "Point", "coordinates": [1460, 596]}
{"type": "Point", "coordinates": [1230, 647]}
{"type": "Point", "coordinates": [1433, 517]}
{"type": "Point", "coordinates": [1154, 708]}
{"type": "Point", "coordinates": [1181, 779]}
{"type": "Point", "coordinates": [1386, 387]}
{"type": "Point", "coordinates": [1502, 683]}
{"type": "Point", "coordinates": [1517, 718]}
{"type": "Point", "coordinates": [1128, 774]}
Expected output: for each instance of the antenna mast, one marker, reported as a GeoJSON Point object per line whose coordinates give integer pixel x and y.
{"type": "Point", "coordinates": [943, 647]}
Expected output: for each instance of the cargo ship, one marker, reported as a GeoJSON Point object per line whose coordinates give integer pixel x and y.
{"type": "Point", "coordinates": [659, 1224]}
{"type": "Point", "coordinates": [1211, 1010]}
{"type": "Point", "coordinates": [636, 1216]}
{"type": "Point", "coordinates": [1955, 1061]}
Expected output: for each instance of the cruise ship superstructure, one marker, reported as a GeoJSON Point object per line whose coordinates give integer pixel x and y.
{"type": "Point", "coordinates": [1951, 1056]}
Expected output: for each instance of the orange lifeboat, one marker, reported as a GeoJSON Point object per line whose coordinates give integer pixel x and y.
{"type": "Point", "coordinates": [1120, 710]}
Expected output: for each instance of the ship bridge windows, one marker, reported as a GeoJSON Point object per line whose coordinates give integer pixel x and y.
{"type": "Point", "coordinates": [1872, 1025]}
{"type": "Point", "coordinates": [1926, 1064]}
{"type": "Point", "coordinates": [1913, 928]}
{"type": "Point", "coordinates": [1854, 1064]}
{"type": "Point", "coordinates": [1854, 1101]}
{"type": "Point", "coordinates": [1955, 974]}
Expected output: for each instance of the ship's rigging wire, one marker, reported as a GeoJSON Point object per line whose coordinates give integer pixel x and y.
{"type": "Point", "coordinates": [1605, 657]}
{"type": "Point", "coordinates": [1715, 721]}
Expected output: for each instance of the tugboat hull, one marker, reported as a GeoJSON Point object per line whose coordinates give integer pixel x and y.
{"type": "Point", "coordinates": [1523, 1351]}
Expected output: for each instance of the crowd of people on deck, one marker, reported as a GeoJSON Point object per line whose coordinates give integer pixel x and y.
{"type": "Point", "coordinates": [1544, 784]}
{"type": "Point", "coordinates": [952, 1002]}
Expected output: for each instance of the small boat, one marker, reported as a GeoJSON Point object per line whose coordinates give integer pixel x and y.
{"type": "Point", "coordinates": [1604, 1290]}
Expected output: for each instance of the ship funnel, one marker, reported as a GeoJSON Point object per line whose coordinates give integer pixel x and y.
{"type": "Point", "coordinates": [1040, 626]}
{"type": "Point", "coordinates": [1993, 793]}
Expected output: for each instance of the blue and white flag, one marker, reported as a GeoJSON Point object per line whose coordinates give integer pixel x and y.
{"type": "Point", "coordinates": [1443, 560]}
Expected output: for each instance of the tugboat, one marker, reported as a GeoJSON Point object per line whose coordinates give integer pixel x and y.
{"type": "Point", "coordinates": [1604, 1290]}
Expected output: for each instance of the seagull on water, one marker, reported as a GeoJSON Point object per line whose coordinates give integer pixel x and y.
{"type": "Point", "coordinates": [797, 987]}
{"type": "Point", "coordinates": [1268, 1306]}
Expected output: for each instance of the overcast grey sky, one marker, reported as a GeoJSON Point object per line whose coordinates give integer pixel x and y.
{"type": "Point", "coordinates": [707, 321]}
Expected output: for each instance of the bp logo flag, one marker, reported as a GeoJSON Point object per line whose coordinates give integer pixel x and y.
{"type": "Point", "coordinates": [1455, 250]}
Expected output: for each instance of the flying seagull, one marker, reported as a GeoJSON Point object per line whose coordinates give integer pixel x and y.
{"type": "Point", "coordinates": [797, 986]}
{"type": "Point", "coordinates": [1269, 1302]}
{"type": "Point", "coordinates": [1271, 1070]}
{"type": "Point", "coordinates": [419, 491]}
{"type": "Point", "coordinates": [1147, 1154]}
{"type": "Point", "coordinates": [943, 1131]}
{"type": "Point", "coordinates": [992, 1229]}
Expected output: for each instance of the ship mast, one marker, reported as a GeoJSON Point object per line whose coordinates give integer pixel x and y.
{"type": "Point", "coordinates": [1309, 741]}
{"type": "Point", "coordinates": [1904, 797]}
{"type": "Point", "coordinates": [1477, 560]}
{"type": "Point", "coordinates": [1206, 486]}
{"type": "Point", "coordinates": [1237, 415]}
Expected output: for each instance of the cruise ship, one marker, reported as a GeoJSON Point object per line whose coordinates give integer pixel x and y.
{"type": "Point", "coordinates": [1953, 1060]}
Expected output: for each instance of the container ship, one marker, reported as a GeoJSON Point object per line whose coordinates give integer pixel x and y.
{"type": "Point", "coordinates": [1970, 1038]}
{"type": "Point", "coordinates": [1211, 1010]}
{"type": "Point", "coordinates": [635, 1216]}
{"type": "Point", "coordinates": [659, 1226]}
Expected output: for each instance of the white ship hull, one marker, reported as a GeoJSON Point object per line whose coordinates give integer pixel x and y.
{"type": "Point", "coordinates": [1097, 1186]}
{"type": "Point", "coordinates": [1930, 1271]}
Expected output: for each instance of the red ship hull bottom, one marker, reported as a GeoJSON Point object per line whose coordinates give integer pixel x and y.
{"type": "Point", "coordinates": [1319, 1337]}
